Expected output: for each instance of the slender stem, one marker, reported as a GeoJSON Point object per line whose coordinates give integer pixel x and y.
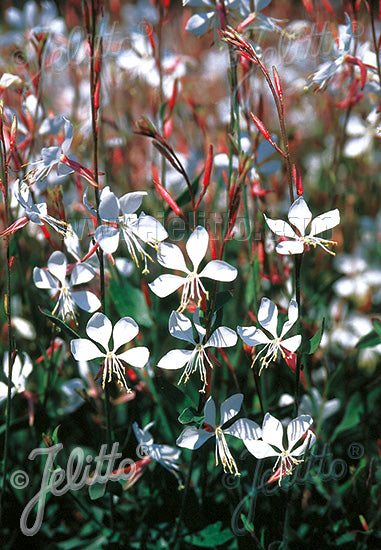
{"type": "Point", "coordinates": [94, 79]}
{"type": "Point", "coordinates": [376, 47]}
{"type": "Point", "coordinates": [298, 264]}
{"type": "Point", "coordinates": [8, 312]}
{"type": "Point", "coordinates": [175, 537]}
{"type": "Point", "coordinates": [50, 367]}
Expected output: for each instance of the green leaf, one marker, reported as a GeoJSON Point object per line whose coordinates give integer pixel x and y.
{"type": "Point", "coordinates": [247, 524]}
{"type": "Point", "coordinates": [210, 536]}
{"type": "Point", "coordinates": [222, 299]}
{"type": "Point", "coordinates": [55, 434]}
{"type": "Point", "coordinates": [97, 490]}
{"type": "Point", "coordinates": [162, 109]}
{"type": "Point", "coordinates": [369, 340]}
{"type": "Point", "coordinates": [190, 415]}
{"type": "Point", "coordinates": [130, 301]}
{"type": "Point", "coordinates": [345, 538]}
{"type": "Point", "coordinates": [310, 346]}
{"type": "Point", "coordinates": [352, 415]}
{"type": "Point", "coordinates": [377, 325]}
{"type": "Point", "coordinates": [59, 323]}
{"type": "Point", "coordinates": [172, 394]}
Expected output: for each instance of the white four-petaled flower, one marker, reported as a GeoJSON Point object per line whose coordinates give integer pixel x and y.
{"type": "Point", "coordinates": [99, 329]}
{"type": "Point", "coordinates": [38, 212]}
{"type": "Point", "coordinates": [171, 257]}
{"type": "Point", "coordinates": [54, 279]}
{"type": "Point", "coordinates": [181, 327]}
{"type": "Point", "coordinates": [299, 439]}
{"type": "Point", "coordinates": [53, 156]}
{"type": "Point", "coordinates": [243, 428]}
{"type": "Point", "coordinates": [268, 319]}
{"type": "Point", "coordinates": [165, 455]}
{"type": "Point", "coordinates": [300, 217]}
{"type": "Point", "coordinates": [135, 229]}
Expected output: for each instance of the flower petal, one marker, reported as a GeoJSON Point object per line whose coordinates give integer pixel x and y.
{"type": "Point", "coordinates": [244, 429]}
{"type": "Point", "coordinates": [164, 285]}
{"type": "Point", "coordinates": [252, 336]}
{"type": "Point", "coordinates": [108, 238]}
{"type": "Point", "coordinates": [109, 207]}
{"type": "Point", "coordinates": [280, 228]}
{"type": "Point", "coordinates": [99, 328]}
{"type": "Point", "coordinates": [124, 331]}
{"type": "Point", "coordinates": [290, 247]}
{"type": "Point", "coordinates": [143, 436]}
{"type": "Point", "coordinates": [272, 431]}
{"type": "Point", "coordinates": [197, 245]}
{"type": "Point", "coordinates": [300, 215]}
{"type": "Point", "coordinates": [307, 444]}
{"type": "Point", "coordinates": [82, 273]}
{"type": "Point", "coordinates": [210, 412]}
{"type": "Point", "coordinates": [230, 407]}
{"type": "Point", "coordinates": [292, 317]}
{"type": "Point", "coordinates": [259, 448]}
{"type": "Point", "coordinates": [57, 265]}
{"type": "Point", "coordinates": [130, 202]}
{"type": "Point", "coordinates": [68, 128]}
{"type": "Point", "coordinates": [136, 357]}
{"type": "Point", "coordinates": [193, 438]}
{"type": "Point", "coordinates": [84, 350]}
{"type": "Point", "coordinates": [181, 327]}
{"type": "Point", "coordinates": [86, 300]}
{"type": "Point", "coordinates": [268, 316]}
{"type": "Point", "coordinates": [222, 337]}
{"type": "Point", "coordinates": [199, 23]}
{"type": "Point", "coordinates": [43, 279]}
{"type": "Point", "coordinates": [324, 222]}
{"type": "Point", "coordinates": [297, 428]}
{"type": "Point", "coordinates": [175, 359]}
{"type": "Point", "coordinates": [171, 257]}
{"type": "Point", "coordinates": [219, 271]}
{"type": "Point", "coordinates": [292, 344]}
{"type": "Point", "coordinates": [149, 230]}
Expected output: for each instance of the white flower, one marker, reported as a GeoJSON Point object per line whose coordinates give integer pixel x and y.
{"type": "Point", "coordinates": [361, 278]}
{"type": "Point", "coordinates": [271, 443]}
{"type": "Point", "coordinates": [53, 156]}
{"type": "Point", "coordinates": [300, 217]}
{"type": "Point", "coordinates": [165, 455]}
{"type": "Point", "coordinates": [181, 327]}
{"type": "Point", "coordinates": [268, 319]}
{"type": "Point", "coordinates": [134, 229]}
{"type": "Point", "coordinates": [171, 257]}
{"type": "Point", "coordinates": [201, 22]}
{"type": "Point", "coordinates": [312, 404]}
{"type": "Point", "coordinates": [20, 372]}
{"type": "Point", "coordinates": [38, 213]}
{"type": "Point", "coordinates": [340, 49]}
{"type": "Point", "coordinates": [54, 279]}
{"type": "Point", "coordinates": [99, 328]}
{"type": "Point", "coordinates": [244, 429]}
{"type": "Point", "coordinates": [361, 135]}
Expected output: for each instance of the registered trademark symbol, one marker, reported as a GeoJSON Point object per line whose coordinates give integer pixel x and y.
{"type": "Point", "coordinates": [355, 451]}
